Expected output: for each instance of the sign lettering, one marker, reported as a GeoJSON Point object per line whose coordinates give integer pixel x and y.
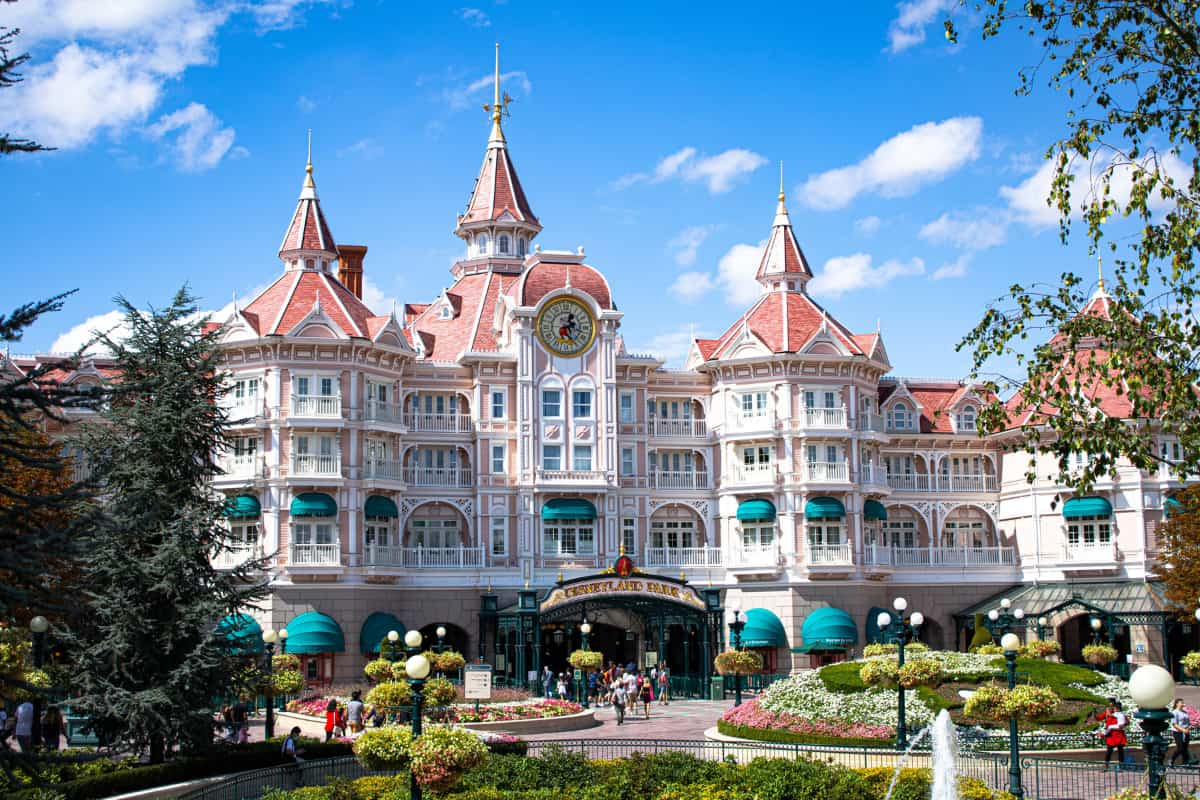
{"type": "Point", "coordinates": [622, 586]}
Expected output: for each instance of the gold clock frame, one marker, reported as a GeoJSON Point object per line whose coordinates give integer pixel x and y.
{"type": "Point", "coordinates": [582, 306]}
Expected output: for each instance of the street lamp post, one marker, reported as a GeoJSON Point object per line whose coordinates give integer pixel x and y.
{"type": "Point", "coordinates": [269, 638]}
{"type": "Point", "coordinates": [1042, 622]}
{"type": "Point", "coordinates": [38, 627]}
{"type": "Point", "coordinates": [417, 669]}
{"type": "Point", "coordinates": [283, 634]}
{"type": "Point", "coordinates": [1011, 644]}
{"type": "Point", "coordinates": [735, 628]}
{"type": "Point", "coordinates": [1003, 619]}
{"type": "Point", "coordinates": [1097, 627]}
{"type": "Point", "coordinates": [1153, 689]}
{"type": "Point", "coordinates": [899, 629]}
{"type": "Point", "coordinates": [441, 634]}
{"type": "Point", "coordinates": [585, 628]}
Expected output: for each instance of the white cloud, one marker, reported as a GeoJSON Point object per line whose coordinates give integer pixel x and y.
{"type": "Point", "coordinates": [673, 346]}
{"type": "Point", "coordinates": [459, 97]}
{"type": "Point", "coordinates": [849, 273]}
{"type": "Point", "coordinates": [867, 226]}
{"type": "Point", "coordinates": [377, 300]}
{"type": "Point", "coordinates": [718, 173]}
{"type": "Point", "coordinates": [274, 15]}
{"type": "Point", "coordinates": [899, 166]}
{"type": "Point", "coordinates": [955, 269]}
{"type": "Point", "coordinates": [474, 17]}
{"type": "Point", "coordinates": [686, 244]}
{"type": "Point", "coordinates": [85, 332]}
{"type": "Point", "coordinates": [980, 231]}
{"type": "Point", "coordinates": [691, 286]}
{"type": "Point", "coordinates": [200, 142]}
{"type": "Point", "coordinates": [736, 270]}
{"type": "Point", "coordinates": [367, 148]}
{"type": "Point", "coordinates": [305, 104]}
{"type": "Point", "coordinates": [908, 28]}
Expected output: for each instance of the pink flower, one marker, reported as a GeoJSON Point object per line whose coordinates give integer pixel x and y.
{"type": "Point", "coordinates": [752, 716]}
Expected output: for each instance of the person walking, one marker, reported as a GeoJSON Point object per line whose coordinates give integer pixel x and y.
{"type": "Point", "coordinates": [24, 730]}
{"type": "Point", "coordinates": [561, 687]}
{"type": "Point", "coordinates": [1181, 729]}
{"type": "Point", "coordinates": [331, 718]}
{"type": "Point", "coordinates": [1113, 731]}
{"type": "Point", "coordinates": [646, 694]}
{"type": "Point", "coordinates": [664, 686]}
{"type": "Point", "coordinates": [354, 712]}
{"type": "Point", "coordinates": [238, 714]}
{"type": "Point", "coordinates": [291, 753]}
{"type": "Point", "coordinates": [548, 681]}
{"type": "Point", "coordinates": [619, 697]}
{"type": "Point", "coordinates": [53, 728]}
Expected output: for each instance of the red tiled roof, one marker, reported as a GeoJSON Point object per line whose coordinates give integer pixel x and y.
{"type": "Point", "coordinates": [547, 276]}
{"type": "Point", "coordinates": [799, 313]}
{"type": "Point", "coordinates": [782, 253]}
{"type": "Point", "coordinates": [497, 190]}
{"type": "Point", "coordinates": [445, 339]}
{"type": "Point", "coordinates": [936, 400]}
{"type": "Point", "coordinates": [308, 229]}
{"type": "Point", "coordinates": [285, 303]}
{"type": "Point", "coordinates": [706, 347]}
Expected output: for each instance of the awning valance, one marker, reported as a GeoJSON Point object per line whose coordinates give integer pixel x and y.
{"type": "Point", "coordinates": [314, 632]}
{"type": "Point", "coordinates": [763, 629]}
{"type": "Point", "coordinates": [244, 506]}
{"type": "Point", "coordinates": [830, 627]}
{"type": "Point", "coordinates": [819, 647]}
{"type": "Point", "coordinates": [1086, 507]}
{"type": "Point", "coordinates": [243, 633]}
{"type": "Point", "coordinates": [756, 510]}
{"type": "Point", "coordinates": [568, 508]}
{"type": "Point", "coordinates": [376, 627]}
{"type": "Point", "coordinates": [313, 504]}
{"type": "Point", "coordinates": [873, 509]}
{"type": "Point", "coordinates": [824, 508]}
{"type": "Point", "coordinates": [380, 506]}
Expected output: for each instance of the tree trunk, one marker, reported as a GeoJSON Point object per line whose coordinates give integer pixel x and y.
{"type": "Point", "coordinates": [157, 749]}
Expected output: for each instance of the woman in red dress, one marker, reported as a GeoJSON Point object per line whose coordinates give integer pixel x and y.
{"type": "Point", "coordinates": [1112, 730]}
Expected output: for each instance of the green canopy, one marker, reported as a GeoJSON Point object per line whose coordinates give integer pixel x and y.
{"type": "Point", "coordinates": [824, 508]}
{"type": "Point", "coordinates": [380, 506]}
{"type": "Point", "coordinates": [818, 647]}
{"type": "Point", "coordinates": [873, 509]}
{"type": "Point", "coordinates": [1086, 507]}
{"type": "Point", "coordinates": [1172, 506]}
{"type": "Point", "coordinates": [313, 504]}
{"type": "Point", "coordinates": [314, 632]}
{"type": "Point", "coordinates": [244, 506]}
{"type": "Point", "coordinates": [377, 626]}
{"type": "Point", "coordinates": [568, 508]}
{"type": "Point", "coordinates": [830, 627]}
{"type": "Point", "coordinates": [763, 629]}
{"type": "Point", "coordinates": [243, 633]}
{"type": "Point", "coordinates": [757, 510]}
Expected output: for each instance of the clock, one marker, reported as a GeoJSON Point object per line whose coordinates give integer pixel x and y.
{"type": "Point", "coordinates": [566, 327]}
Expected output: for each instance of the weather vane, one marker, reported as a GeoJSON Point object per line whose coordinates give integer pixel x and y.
{"type": "Point", "coordinates": [498, 108]}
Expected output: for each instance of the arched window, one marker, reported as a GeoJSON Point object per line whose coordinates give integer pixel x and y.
{"type": "Point", "coordinates": [898, 418]}
{"type": "Point", "coordinates": [482, 244]}
{"type": "Point", "coordinates": [503, 244]}
{"type": "Point", "coordinates": [308, 262]}
{"type": "Point", "coordinates": [966, 418]}
{"type": "Point", "coordinates": [521, 245]}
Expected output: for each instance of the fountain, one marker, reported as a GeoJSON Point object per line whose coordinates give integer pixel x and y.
{"type": "Point", "coordinates": [945, 751]}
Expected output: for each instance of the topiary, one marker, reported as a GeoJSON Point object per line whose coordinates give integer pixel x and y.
{"type": "Point", "coordinates": [379, 670]}
{"type": "Point", "coordinates": [982, 634]}
{"type": "Point", "coordinates": [439, 692]}
{"type": "Point", "coordinates": [390, 695]}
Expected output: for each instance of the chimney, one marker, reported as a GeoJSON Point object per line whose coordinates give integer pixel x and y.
{"type": "Point", "coordinates": [350, 267]}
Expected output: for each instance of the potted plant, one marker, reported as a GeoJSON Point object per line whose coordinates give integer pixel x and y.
{"type": "Point", "coordinates": [1099, 655]}
{"type": "Point", "coordinates": [1025, 702]}
{"type": "Point", "coordinates": [1191, 663]}
{"type": "Point", "coordinates": [738, 662]}
{"type": "Point", "coordinates": [1040, 648]}
{"type": "Point", "coordinates": [922, 672]}
{"type": "Point", "coordinates": [586, 660]}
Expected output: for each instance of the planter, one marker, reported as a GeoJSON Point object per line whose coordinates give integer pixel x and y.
{"type": "Point", "coordinates": [520, 727]}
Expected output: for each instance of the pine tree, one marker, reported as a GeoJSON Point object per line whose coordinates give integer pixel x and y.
{"type": "Point", "coordinates": [10, 77]}
{"type": "Point", "coordinates": [148, 656]}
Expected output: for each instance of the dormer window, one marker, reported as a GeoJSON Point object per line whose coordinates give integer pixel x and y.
{"type": "Point", "coordinates": [503, 244]}
{"type": "Point", "coordinates": [900, 417]}
{"type": "Point", "coordinates": [966, 418]}
{"type": "Point", "coordinates": [445, 312]}
{"type": "Point", "coordinates": [309, 263]}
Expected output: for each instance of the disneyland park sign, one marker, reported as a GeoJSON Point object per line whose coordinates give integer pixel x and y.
{"type": "Point", "coordinates": [601, 588]}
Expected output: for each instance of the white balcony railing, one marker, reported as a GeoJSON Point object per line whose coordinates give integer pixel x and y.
{"type": "Point", "coordinates": [909, 482]}
{"type": "Point", "coordinates": [830, 553]}
{"type": "Point", "coordinates": [437, 476]}
{"type": "Point", "coordinates": [873, 474]}
{"type": "Point", "coordinates": [877, 555]}
{"type": "Point", "coordinates": [378, 411]}
{"type": "Point", "coordinates": [570, 475]}
{"type": "Point", "coordinates": [754, 420]}
{"type": "Point", "coordinates": [752, 473]}
{"type": "Point", "coordinates": [236, 556]}
{"type": "Point", "coordinates": [824, 417]}
{"type": "Point", "coordinates": [382, 469]}
{"type": "Point", "coordinates": [683, 557]}
{"type": "Point", "coordinates": [316, 405]}
{"type": "Point", "coordinates": [679, 428]}
{"type": "Point", "coordinates": [968, 483]}
{"type": "Point", "coordinates": [951, 556]}
{"type": "Point", "coordinates": [315, 555]}
{"type": "Point", "coordinates": [319, 465]}
{"type": "Point", "coordinates": [824, 471]}
{"type": "Point", "coordinates": [1090, 553]}
{"type": "Point", "coordinates": [242, 466]}
{"type": "Point", "coordinates": [679, 480]}
{"type": "Point", "coordinates": [868, 421]}
{"type": "Point", "coordinates": [247, 409]}
{"type": "Point", "coordinates": [425, 557]}
{"type": "Point", "coordinates": [439, 423]}
{"type": "Point", "coordinates": [754, 556]}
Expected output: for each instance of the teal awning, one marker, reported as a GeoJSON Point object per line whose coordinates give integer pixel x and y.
{"type": "Point", "coordinates": [830, 627]}
{"type": "Point", "coordinates": [314, 632]}
{"type": "Point", "coordinates": [763, 629]}
{"type": "Point", "coordinates": [757, 510]}
{"type": "Point", "coordinates": [313, 504]}
{"type": "Point", "coordinates": [1172, 506]}
{"type": "Point", "coordinates": [818, 647]}
{"type": "Point", "coordinates": [1086, 507]}
{"type": "Point", "coordinates": [568, 508]}
{"type": "Point", "coordinates": [243, 633]}
{"type": "Point", "coordinates": [873, 633]}
{"type": "Point", "coordinates": [824, 508]}
{"type": "Point", "coordinates": [244, 506]}
{"type": "Point", "coordinates": [375, 627]}
{"type": "Point", "coordinates": [380, 506]}
{"type": "Point", "coordinates": [873, 509]}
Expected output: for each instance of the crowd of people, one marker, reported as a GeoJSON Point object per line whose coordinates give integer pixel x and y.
{"type": "Point", "coordinates": [621, 687]}
{"type": "Point", "coordinates": [19, 727]}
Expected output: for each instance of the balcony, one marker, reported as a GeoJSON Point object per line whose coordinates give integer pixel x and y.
{"type": "Point", "coordinates": [314, 406]}
{"type": "Point", "coordinates": [315, 555]}
{"type": "Point", "coordinates": [968, 483]}
{"type": "Point", "coordinates": [245, 412]}
{"type": "Point", "coordinates": [439, 423]}
{"type": "Point", "coordinates": [678, 480]}
{"type": "Point", "coordinates": [826, 418]}
{"type": "Point", "coordinates": [683, 557]}
{"type": "Point", "coordinates": [450, 477]}
{"type": "Point", "coordinates": [381, 469]}
{"type": "Point", "coordinates": [753, 473]}
{"type": "Point", "coordinates": [831, 554]}
{"type": "Point", "coordinates": [826, 471]}
{"type": "Point", "coordinates": [679, 428]}
{"type": "Point", "coordinates": [317, 466]}
{"type": "Point", "coordinates": [868, 421]}
{"type": "Point", "coordinates": [873, 475]}
{"type": "Point", "coordinates": [246, 466]}
{"type": "Point", "coordinates": [425, 557]}
{"type": "Point", "coordinates": [753, 421]}
{"type": "Point", "coordinates": [387, 413]}
{"type": "Point", "coordinates": [1089, 556]}
{"type": "Point", "coordinates": [910, 482]}
{"type": "Point", "coordinates": [756, 559]}
{"type": "Point", "coordinates": [946, 556]}
{"type": "Point", "coordinates": [235, 556]}
{"type": "Point", "coordinates": [587, 476]}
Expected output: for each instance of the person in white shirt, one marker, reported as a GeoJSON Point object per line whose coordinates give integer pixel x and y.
{"type": "Point", "coordinates": [619, 698]}
{"type": "Point", "coordinates": [24, 730]}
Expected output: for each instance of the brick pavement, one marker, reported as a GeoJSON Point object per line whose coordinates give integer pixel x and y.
{"type": "Point", "coordinates": [682, 719]}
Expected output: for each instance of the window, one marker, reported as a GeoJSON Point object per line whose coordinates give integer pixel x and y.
{"type": "Point", "coordinates": [757, 536]}
{"type": "Point", "coordinates": [498, 411]}
{"type": "Point", "coordinates": [756, 455]}
{"type": "Point", "coordinates": [482, 244]}
{"type": "Point", "coordinates": [551, 456]}
{"type": "Point", "coordinates": [831, 399]}
{"type": "Point", "coordinates": [498, 459]}
{"type": "Point", "coordinates": [626, 406]}
{"type": "Point", "coordinates": [673, 533]}
{"type": "Point", "coordinates": [831, 454]}
{"type": "Point", "coordinates": [627, 461]}
{"type": "Point", "coordinates": [445, 312]}
{"type": "Point", "coordinates": [312, 533]}
{"type": "Point", "coordinates": [581, 403]}
{"type": "Point", "coordinates": [629, 535]}
{"type": "Point", "coordinates": [551, 403]}
{"type": "Point", "coordinates": [377, 450]}
{"type": "Point", "coordinates": [244, 535]}
{"type": "Point", "coordinates": [966, 418]}
{"type": "Point", "coordinates": [378, 532]}
{"type": "Point", "coordinates": [245, 392]}
{"type": "Point", "coordinates": [522, 244]}
{"type": "Point", "coordinates": [568, 537]}
{"type": "Point", "coordinates": [963, 534]}
{"type": "Point", "coordinates": [754, 404]}
{"type": "Point", "coordinates": [503, 244]}
{"type": "Point", "coordinates": [1089, 532]}
{"type": "Point", "coordinates": [583, 457]}
{"type": "Point", "coordinates": [823, 533]}
{"type": "Point", "coordinates": [499, 536]}
{"type": "Point", "coordinates": [434, 534]}
{"type": "Point", "coordinates": [903, 533]}
{"type": "Point", "coordinates": [899, 417]}
{"type": "Point", "coordinates": [245, 447]}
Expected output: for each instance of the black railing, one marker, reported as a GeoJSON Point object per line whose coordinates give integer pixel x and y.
{"type": "Point", "coordinates": [254, 784]}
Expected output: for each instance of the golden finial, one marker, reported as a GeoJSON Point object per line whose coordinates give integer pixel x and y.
{"type": "Point", "coordinates": [682, 576]}
{"type": "Point", "coordinates": [489, 586]}
{"type": "Point", "coordinates": [308, 178]}
{"type": "Point", "coordinates": [1100, 269]}
{"type": "Point", "coordinates": [622, 551]}
{"type": "Point", "coordinates": [560, 576]}
{"type": "Point", "coordinates": [499, 105]}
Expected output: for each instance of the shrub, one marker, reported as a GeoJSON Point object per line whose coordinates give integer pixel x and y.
{"type": "Point", "coordinates": [588, 660]}
{"type": "Point", "coordinates": [504, 744]}
{"type": "Point", "coordinates": [987, 702]}
{"type": "Point", "coordinates": [1040, 648]}
{"type": "Point", "coordinates": [287, 681]}
{"type": "Point", "coordinates": [440, 756]}
{"type": "Point", "coordinates": [390, 695]}
{"type": "Point", "coordinates": [879, 649]}
{"type": "Point", "coordinates": [285, 661]}
{"type": "Point", "coordinates": [843, 678]}
{"type": "Point", "coordinates": [439, 692]}
{"type": "Point", "coordinates": [1099, 655]}
{"type": "Point", "coordinates": [923, 672]}
{"type": "Point", "coordinates": [384, 748]}
{"type": "Point", "coordinates": [379, 670]}
{"type": "Point", "coordinates": [1191, 663]}
{"type": "Point", "coordinates": [1029, 701]}
{"type": "Point", "coordinates": [988, 649]}
{"type": "Point", "coordinates": [738, 662]}
{"type": "Point", "coordinates": [883, 672]}
{"type": "Point", "coordinates": [450, 661]}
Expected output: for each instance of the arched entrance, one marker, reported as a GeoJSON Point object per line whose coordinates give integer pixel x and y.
{"type": "Point", "coordinates": [456, 638]}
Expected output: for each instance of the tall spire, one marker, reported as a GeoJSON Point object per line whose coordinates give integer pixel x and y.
{"type": "Point", "coordinates": [309, 183]}
{"type": "Point", "coordinates": [1100, 270]}
{"type": "Point", "coordinates": [308, 237]}
{"type": "Point", "coordinates": [498, 107]}
{"type": "Point", "coordinates": [782, 256]}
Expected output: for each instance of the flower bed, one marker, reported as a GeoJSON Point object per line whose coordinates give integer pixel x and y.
{"type": "Point", "coordinates": [509, 712]}
{"type": "Point", "coordinates": [751, 715]}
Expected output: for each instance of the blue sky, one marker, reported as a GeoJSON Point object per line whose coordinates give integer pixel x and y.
{"type": "Point", "coordinates": [648, 133]}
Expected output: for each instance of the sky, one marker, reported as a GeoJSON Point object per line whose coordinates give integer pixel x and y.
{"type": "Point", "coordinates": [648, 133]}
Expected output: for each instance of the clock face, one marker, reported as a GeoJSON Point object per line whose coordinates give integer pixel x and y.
{"type": "Point", "coordinates": [566, 327]}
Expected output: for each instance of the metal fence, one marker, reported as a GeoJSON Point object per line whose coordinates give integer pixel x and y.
{"type": "Point", "coordinates": [253, 785]}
